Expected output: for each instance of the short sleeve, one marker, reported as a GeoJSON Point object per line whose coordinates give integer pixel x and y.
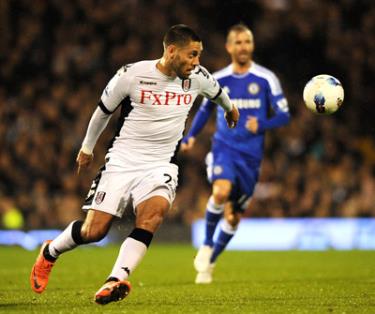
{"type": "Point", "coordinates": [117, 89]}
{"type": "Point", "coordinates": [209, 86]}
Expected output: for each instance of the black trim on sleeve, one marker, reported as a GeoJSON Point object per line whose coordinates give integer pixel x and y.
{"type": "Point", "coordinates": [218, 94]}
{"type": "Point", "coordinates": [104, 108]}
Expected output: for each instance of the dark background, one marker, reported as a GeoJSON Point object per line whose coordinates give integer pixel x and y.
{"type": "Point", "coordinates": [57, 56]}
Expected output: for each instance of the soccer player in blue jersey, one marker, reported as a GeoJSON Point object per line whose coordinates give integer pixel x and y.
{"type": "Point", "coordinates": [234, 161]}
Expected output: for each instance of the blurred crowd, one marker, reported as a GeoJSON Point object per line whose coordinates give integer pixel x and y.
{"type": "Point", "coordinates": [57, 56]}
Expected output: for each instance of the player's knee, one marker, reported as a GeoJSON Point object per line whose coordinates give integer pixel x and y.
{"type": "Point", "coordinates": [221, 191]}
{"type": "Point", "coordinates": [233, 220]}
{"type": "Point", "coordinates": [220, 197]}
{"type": "Point", "coordinates": [93, 233]}
{"type": "Point", "coordinates": [150, 213]}
{"type": "Point", "coordinates": [152, 222]}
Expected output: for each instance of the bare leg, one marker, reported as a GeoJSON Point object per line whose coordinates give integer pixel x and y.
{"type": "Point", "coordinates": [150, 214]}
{"type": "Point", "coordinates": [93, 229]}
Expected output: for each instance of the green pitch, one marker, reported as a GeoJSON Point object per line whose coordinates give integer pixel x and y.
{"type": "Point", "coordinates": [245, 282]}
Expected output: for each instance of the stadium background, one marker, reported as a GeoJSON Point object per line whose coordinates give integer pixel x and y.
{"type": "Point", "coordinates": [57, 56]}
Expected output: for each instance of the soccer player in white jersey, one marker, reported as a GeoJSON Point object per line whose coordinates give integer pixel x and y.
{"type": "Point", "coordinates": [234, 162]}
{"type": "Point", "coordinates": [155, 98]}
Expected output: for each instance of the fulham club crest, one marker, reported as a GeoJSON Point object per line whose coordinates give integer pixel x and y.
{"type": "Point", "coordinates": [99, 198]}
{"type": "Point", "coordinates": [186, 84]}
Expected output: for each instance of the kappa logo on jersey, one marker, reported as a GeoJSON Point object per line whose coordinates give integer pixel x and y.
{"type": "Point", "coordinates": [147, 83]}
{"type": "Point", "coordinates": [166, 99]}
{"type": "Point", "coordinates": [253, 88]}
{"type": "Point", "coordinates": [186, 84]}
{"type": "Point", "coordinates": [99, 198]}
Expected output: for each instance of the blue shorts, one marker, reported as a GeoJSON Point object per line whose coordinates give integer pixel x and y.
{"type": "Point", "coordinates": [243, 171]}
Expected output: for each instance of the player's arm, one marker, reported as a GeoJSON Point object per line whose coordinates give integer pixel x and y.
{"type": "Point", "coordinates": [232, 114]}
{"type": "Point", "coordinates": [281, 113]}
{"type": "Point", "coordinates": [199, 121]}
{"type": "Point", "coordinates": [280, 108]}
{"type": "Point", "coordinates": [279, 119]}
{"type": "Point", "coordinates": [113, 94]}
{"type": "Point", "coordinates": [211, 89]}
{"type": "Point", "coordinates": [97, 124]}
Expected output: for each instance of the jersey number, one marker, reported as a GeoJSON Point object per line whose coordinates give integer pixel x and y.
{"type": "Point", "coordinates": [204, 72]}
{"type": "Point", "coordinates": [169, 178]}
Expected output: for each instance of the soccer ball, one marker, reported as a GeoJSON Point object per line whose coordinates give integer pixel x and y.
{"type": "Point", "coordinates": [323, 94]}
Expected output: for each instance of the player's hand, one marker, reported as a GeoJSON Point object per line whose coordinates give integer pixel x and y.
{"type": "Point", "coordinates": [185, 147]}
{"type": "Point", "coordinates": [83, 160]}
{"type": "Point", "coordinates": [252, 124]}
{"type": "Point", "coordinates": [232, 117]}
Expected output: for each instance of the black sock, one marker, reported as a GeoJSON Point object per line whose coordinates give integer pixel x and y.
{"type": "Point", "coordinates": [76, 232]}
{"type": "Point", "coordinates": [141, 235]}
{"type": "Point", "coordinates": [47, 255]}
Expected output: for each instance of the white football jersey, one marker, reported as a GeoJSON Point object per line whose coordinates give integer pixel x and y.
{"type": "Point", "coordinates": [154, 111]}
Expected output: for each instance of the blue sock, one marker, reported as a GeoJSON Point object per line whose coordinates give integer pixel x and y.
{"type": "Point", "coordinates": [213, 215]}
{"type": "Point", "coordinates": [222, 241]}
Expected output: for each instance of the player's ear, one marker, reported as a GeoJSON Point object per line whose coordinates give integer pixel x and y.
{"type": "Point", "coordinates": [171, 50]}
{"type": "Point", "coordinates": [228, 47]}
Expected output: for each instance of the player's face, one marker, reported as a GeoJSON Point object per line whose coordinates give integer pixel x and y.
{"type": "Point", "coordinates": [186, 59]}
{"type": "Point", "coordinates": [240, 46]}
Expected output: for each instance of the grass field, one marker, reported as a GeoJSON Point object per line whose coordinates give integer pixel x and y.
{"type": "Point", "coordinates": [245, 282]}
